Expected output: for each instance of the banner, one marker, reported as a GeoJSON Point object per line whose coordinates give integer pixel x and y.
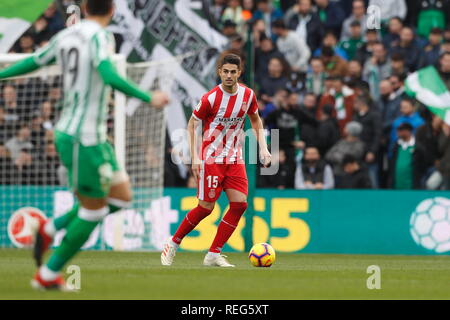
{"type": "Point", "coordinates": [292, 221]}
{"type": "Point", "coordinates": [159, 30]}
{"type": "Point", "coordinates": [16, 17]}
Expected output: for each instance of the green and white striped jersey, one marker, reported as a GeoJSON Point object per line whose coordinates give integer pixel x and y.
{"type": "Point", "coordinates": [79, 50]}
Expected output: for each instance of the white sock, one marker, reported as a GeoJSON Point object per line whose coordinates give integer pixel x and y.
{"type": "Point", "coordinates": [174, 244]}
{"type": "Point", "coordinates": [47, 274]}
{"type": "Point", "coordinates": [49, 228]}
{"type": "Point", "coordinates": [213, 254]}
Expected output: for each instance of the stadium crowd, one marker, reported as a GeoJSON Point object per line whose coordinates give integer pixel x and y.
{"type": "Point", "coordinates": [327, 77]}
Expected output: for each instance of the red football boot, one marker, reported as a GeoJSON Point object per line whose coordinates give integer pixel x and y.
{"type": "Point", "coordinates": [39, 284]}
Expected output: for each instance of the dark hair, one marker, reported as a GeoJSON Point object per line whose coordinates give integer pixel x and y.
{"type": "Point", "coordinates": [347, 159]}
{"type": "Point", "coordinates": [397, 56]}
{"type": "Point", "coordinates": [99, 7]}
{"type": "Point", "coordinates": [327, 51]}
{"type": "Point", "coordinates": [436, 31]}
{"type": "Point", "coordinates": [230, 59]}
{"type": "Point", "coordinates": [410, 100]}
{"type": "Point", "coordinates": [279, 24]}
{"type": "Point", "coordinates": [405, 126]}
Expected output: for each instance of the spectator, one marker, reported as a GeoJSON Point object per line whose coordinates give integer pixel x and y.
{"type": "Point", "coordinates": [330, 40]}
{"type": "Point", "coordinates": [428, 135]}
{"type": "Point", "coordinates": [5, 165]}
{"type": "Point", "coordinates": [331, 15]}
{"type": "Point", "coordinates": [444, 150]}
{"type": "Point", "coordinates": [296, 84]}
{"type": "Point", "coordinates": [431, 14]}
{"type": "Point", "coordinates": [263, 54]}
{"type": "Point", "coordinates": [48, 166]}
{"type": "Point", "coordinates": [37, 131]}
{"type": "Point", "coordinates": [390, 9]}
{"type": "Point", "coordinates": [313, 172]}
{"type": "Point", "coordinates": [306, 23]}
{"type": "Point", "coordinates": [354, 176]}
{"type": "Point", "coordinates": [274, 80]}
{"type": "Point", "coordinates": [376, 68]}
{"type": "Point", "coordinates": [229, 28]}
{"type": "Point", "coordinates": [26, 44]}
{"type": "Point", "coordinates": [407, 165]}
{"type": "Point", "coordinates": [54, 19]}
{"type": "Point", "coordinates": [217, 8]}
{"type": "Point", "coordinates": [392, 36]}
{"type": "Point", "coordinates": [259, 32]}
{"type": "Point", "coordinates": [409, 48]}
{"type": "Point", "coordinates": [294, 49]}
{"type": "Point", "coordinates": [315, 77]}
{"type": "Point", "coordinates": [354, 80]}
{"type": "Point", "coordinates": [354, 42]}
{"type": "Point", "coordinates": [21, 141]}
{"type": "Point", "coordinates": [47, 115]}
{"type": "Point", "coordinates": [308, 130]}
{"type": "Point", "coordinates": [334, 65]}
{"type": "Point", "coordinates": [365, 52]}
{"type": "Point", "coordinates": [408, 115]}
{"type": "Point", "coordinates": [370, 120]}
{"type": "Point", "coordinates": [23, 171]}
{"type": "Point", "coordinates": [444, 68]}
{"type": "Point", "coordinates": [283, 179]}
{"type": "Point", "coordinates": [13, 110]}
{"type": "Point", "coordinates": [432, 50]}
{"type": "Point", "coordinates": [398, 64]}
{"type": "Point", "coordinates": [358, 14]}
{"type": "Point", "coordinates": [6, 127]}
{"type": "Point", "coordinates": [234, 13]}
{"type": "Point", "coordinates": [289, 120]}
{"type": "Point", "coordinates": [279, 101]}
{"type": "Point", "coordinates": [342, 98]}
{"type": "Point", "coordinates": [398, 84]}
{"type": "Point", "coordinates": [349, 144]}
{"type": "Point", "coordinates": [267, 13]}
{"type": "Point", "coordinates": [388, 106]}
{"type": "Point", "coordinates": [328, 130]}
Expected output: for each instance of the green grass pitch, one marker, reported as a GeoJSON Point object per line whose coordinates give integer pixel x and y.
{"type": "Point", "coordinates": [139, 275]}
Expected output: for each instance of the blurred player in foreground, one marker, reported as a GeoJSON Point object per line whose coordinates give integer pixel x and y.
{"type": "Point", "coordinates": [216, 130]}
{"type": "Point", "coordinates": [84, 52]}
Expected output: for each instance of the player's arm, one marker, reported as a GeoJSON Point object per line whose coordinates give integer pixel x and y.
{"type": "Point", "coordinates": [258, 129]}
{"type": "Point", "coordinates": [99, 47]}
{"type": "Point", "coordinates": [110, 76]}
{"type": "Point", "coordinates": [195, 141]}
{"type": "Point", "coordinates": [44, 56]}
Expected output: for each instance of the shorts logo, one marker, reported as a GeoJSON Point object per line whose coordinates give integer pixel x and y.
{"type": "Point", "coordinates": [21, 225]}
{"type": "Point", "coordinates": [212, 193]}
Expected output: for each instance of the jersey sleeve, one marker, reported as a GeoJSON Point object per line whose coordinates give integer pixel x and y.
{"type": "Point", "coordinates": [253, 108]}
{"type": "Point", "coordinates": [47, 54]}
{"type": "Point", "coordinates": [102, 47]}
{"type": "Point", "coordinates": [202, 110]}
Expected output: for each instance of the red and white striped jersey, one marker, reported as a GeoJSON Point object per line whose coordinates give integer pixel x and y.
{"type": "Point", "coordinates": [223, 116]}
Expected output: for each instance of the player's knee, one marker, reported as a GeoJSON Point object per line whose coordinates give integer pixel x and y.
{"type": "Point", "coordinates": [207, 205]}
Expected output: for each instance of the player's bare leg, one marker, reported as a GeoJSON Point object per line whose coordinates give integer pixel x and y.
{"type": "Point", "coordinates": [238, 205]}
{"type": "Point", "coordinates": [192, 219]}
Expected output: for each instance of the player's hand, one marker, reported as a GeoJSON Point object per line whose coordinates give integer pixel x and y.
{"type": "Point", "coordinates": [265, 157]}
{"type": "Point", "coordinates": [159, 99]}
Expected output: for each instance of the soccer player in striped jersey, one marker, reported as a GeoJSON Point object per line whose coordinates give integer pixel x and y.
{"type": "Point", "coordinates": [216, 131]}
{"type": "Point", "coordinates": [84, 52]}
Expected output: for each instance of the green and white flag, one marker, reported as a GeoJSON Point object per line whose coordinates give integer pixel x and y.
{"type": "Point", "coordinates": [16, 16]}
{"type": "Point", "coordinates": [427, 86]}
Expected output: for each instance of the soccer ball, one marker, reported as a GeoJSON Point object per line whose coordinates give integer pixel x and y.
{"type": "Point", "coordinates": [262, 255]}
{"type": "Point", "coordinates": [430, 224]}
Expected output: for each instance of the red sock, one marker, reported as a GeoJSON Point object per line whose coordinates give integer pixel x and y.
{"type": "Point", "coordinates": [191, 220]}
{"type": "Point", "coordinates": [228, 225]}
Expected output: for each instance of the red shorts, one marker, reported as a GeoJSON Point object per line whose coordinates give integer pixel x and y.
{"type": "Point", "coordinates": [216, 177]}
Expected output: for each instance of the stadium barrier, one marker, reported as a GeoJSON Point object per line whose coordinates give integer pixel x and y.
{"type": "Point", "coordinates": [332, 221]}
